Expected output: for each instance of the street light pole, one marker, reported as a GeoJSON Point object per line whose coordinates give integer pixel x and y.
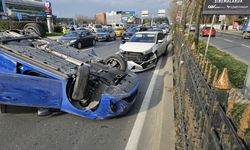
{"type": "Point", "coordinates": [209, 37]}
{"type": "Point", "coordinates": [190, 22]}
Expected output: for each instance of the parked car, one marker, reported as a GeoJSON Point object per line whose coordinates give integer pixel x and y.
{"type": "Point", "coordinates": [105, 34]}
{"type": "Point", "coordinates": [78, 39]}
{"type": "Point", "coordinates": [193, 28]}
{"type": "Point", "coordinates": [143, 50]}
{"type": "Point", "coordinates": [129, 33]}
{"type": "Point", "coordinates": [95, 27]}
{"type": "Point", "coordinates": [42, 73]}
{"type": "Point", "coordinates": [119, 32]}
{"type": "Point", "coordinates": [206, 30]}
{"type": "Point", "coordinates": [157, 29]}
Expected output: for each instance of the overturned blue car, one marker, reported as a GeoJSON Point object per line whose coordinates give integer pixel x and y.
{"type": "Point", "coordinates": [42, 73]}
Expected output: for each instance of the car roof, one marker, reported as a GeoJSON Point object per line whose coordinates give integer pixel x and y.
{"type": "Point", "coordinates": [146, 32]}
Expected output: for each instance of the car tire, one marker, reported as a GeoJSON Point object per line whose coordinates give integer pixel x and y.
{"type": "Point", "coordinates": [3, 108]}
{"type": "Point", "coordinates": [93, 42]}
{"type": "Point", "coordinates": [81, 84]}
{"type": "Point", "coordinates": [116, 61]}
{"type": "Point", "coordinates": [245, 35]}
{"type": "Point", "coordinates": [79, 45]}
{"type": "Point", "coordinates": [114, 38]}
{"type": "Point", "coordinates": [34, 29]}
{"type": "Point", "coordinates": [169, 48]}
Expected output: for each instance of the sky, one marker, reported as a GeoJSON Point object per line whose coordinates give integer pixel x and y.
{"type": "Point", "coordinates": [71, 8]}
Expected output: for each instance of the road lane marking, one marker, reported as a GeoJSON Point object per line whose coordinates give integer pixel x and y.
{"type": "Point", "coordinates": [228, 40]}
{"type": "Point", "coordinates": [245, 45]}
{"type": "Point", "coordinates": [88, 49]}
{"type": "Point", "coordinates": [138, 125]}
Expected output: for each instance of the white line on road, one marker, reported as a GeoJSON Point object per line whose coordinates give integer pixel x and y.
{"type": "Point", "coordinates": [245, 45]}
{"type": "Point", "coordinates": [137, 129]}
{"type": "Point", "coordinates": [88, 49]}
{"type": "Point", "coordinates": [228, 40]}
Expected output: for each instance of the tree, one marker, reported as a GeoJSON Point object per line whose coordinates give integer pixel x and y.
{"type": "Point", "coordinates": [198, 11]}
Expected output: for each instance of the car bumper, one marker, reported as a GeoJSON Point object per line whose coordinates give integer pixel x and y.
{"type": "Point", "coordinates": [126, 38]}
{"type": "Point", "coordinates": [118, 34]}
{"type": "Point", "coordinates": [143, 66]}
{"type": "Point", "coordinates": [101, 38]}
{"type": "Point", "coordinates": [110, 106]}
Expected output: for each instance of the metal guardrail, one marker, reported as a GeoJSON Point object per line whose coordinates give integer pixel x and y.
{"type": "Point", "coordinates": [203, 123]}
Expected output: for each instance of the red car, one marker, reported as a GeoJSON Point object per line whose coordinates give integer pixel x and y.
{"type": "Point", "coordinates": [205, 31]}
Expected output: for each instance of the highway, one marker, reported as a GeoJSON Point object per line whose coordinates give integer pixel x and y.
{"type": "Point", "coordinates": [149, 125]}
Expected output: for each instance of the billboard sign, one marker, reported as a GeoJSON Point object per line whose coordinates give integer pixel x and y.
{"type": "Point", "coordinates": [144, 13]}
{"type": "Point", "coordinates": [226, 7]}
{"type": "Point", "coordinates": [48, 8]}
{"type": "Point", "coordinates": [162, 13]}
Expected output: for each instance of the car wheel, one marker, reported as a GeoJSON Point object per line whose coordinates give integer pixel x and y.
{"type": "Point", "coordinates": [93, 42]}
{"type": "Point", "coordinates": [79, 45]}
{"type": "Point", "coordinates": [114, 38]}
{"type": "Point", "coordinates": [34, 29]}
{"type": "Point", "coordinates": [245, 35]}
{"type": "Point", "coordinates": [3, 108]}
{"type": "Point", "coordinates": [109, 38]}
{"type": "Point", "coordinates": [116, 61]}
{"type": "Point", "coordinates": [81, 84]}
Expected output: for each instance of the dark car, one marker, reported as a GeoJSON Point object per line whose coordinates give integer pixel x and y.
{"type": "Point", "coordinates": [129, 33]}
{"type": "Point", "coordinates": [42, 73]}
{"type": "Point", "coordinates": [78, 39]}
{"type": "Point", "coordinates": [105, 34]}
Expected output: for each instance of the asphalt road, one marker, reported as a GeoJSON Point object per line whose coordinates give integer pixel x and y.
{"type": "Point", "coordinates": [148, 127]}
{"type": "Point", "coordinates": [234, 45]}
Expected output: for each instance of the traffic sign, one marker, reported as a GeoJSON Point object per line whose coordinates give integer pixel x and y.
{"type": "Point", "coordinates": [144, 13]}
{"type": "Point", "coordinates": [226, 7]}
{"type": "Point", "coordinates": [222, 17]}
{"type": "Point", "coordinates": [19, 16]}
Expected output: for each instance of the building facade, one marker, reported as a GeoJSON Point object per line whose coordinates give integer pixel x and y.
{"type": "Point", "coordinates": [101, 18]}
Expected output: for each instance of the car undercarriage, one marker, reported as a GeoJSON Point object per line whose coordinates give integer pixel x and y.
{"type": "Point", "coordinates": [90, 88]}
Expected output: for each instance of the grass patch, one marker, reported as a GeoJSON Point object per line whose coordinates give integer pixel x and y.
{"type": "Point", "coordinates": [237, 70]}
{"type": "Point", "coordinates": [247, 136]}
{"type": "Point", "coordinates": [54, 34]}
{"type": "Point", "coordinates": [238, 111]}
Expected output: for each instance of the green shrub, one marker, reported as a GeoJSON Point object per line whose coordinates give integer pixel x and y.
{"type": "Point", "coordinates": [237, 70]}
{"type": "Point", "coordinates": [58, 29]}
{"type": "Point", "coordinates": [9, 25]}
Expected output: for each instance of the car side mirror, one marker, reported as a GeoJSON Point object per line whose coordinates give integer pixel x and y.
{"type": "Point", "coordinates": [123, 41]}
{"type": "Point", "coordinates": [160, 41]}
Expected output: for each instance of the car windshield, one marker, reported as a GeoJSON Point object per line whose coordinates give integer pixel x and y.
{"type": "Point", "coordinates": [72, 34]}
{"type": "Point", "coordinates": [98, 26]}
{"type": "Point", "coordinates": [101, 30]}
{"type": "Point", "coordinates": [131, 30]}
{"type": "Point", "coordinates": [143, 38]}
{"type": "Point", "coordinates": [154, 29]}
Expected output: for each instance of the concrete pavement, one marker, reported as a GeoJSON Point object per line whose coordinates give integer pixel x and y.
{"type": "Point", "coordinates": [22, 129]}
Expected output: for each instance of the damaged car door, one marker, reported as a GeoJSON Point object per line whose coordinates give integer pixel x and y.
{"type": "Point", "coordinates": [27, 88]}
